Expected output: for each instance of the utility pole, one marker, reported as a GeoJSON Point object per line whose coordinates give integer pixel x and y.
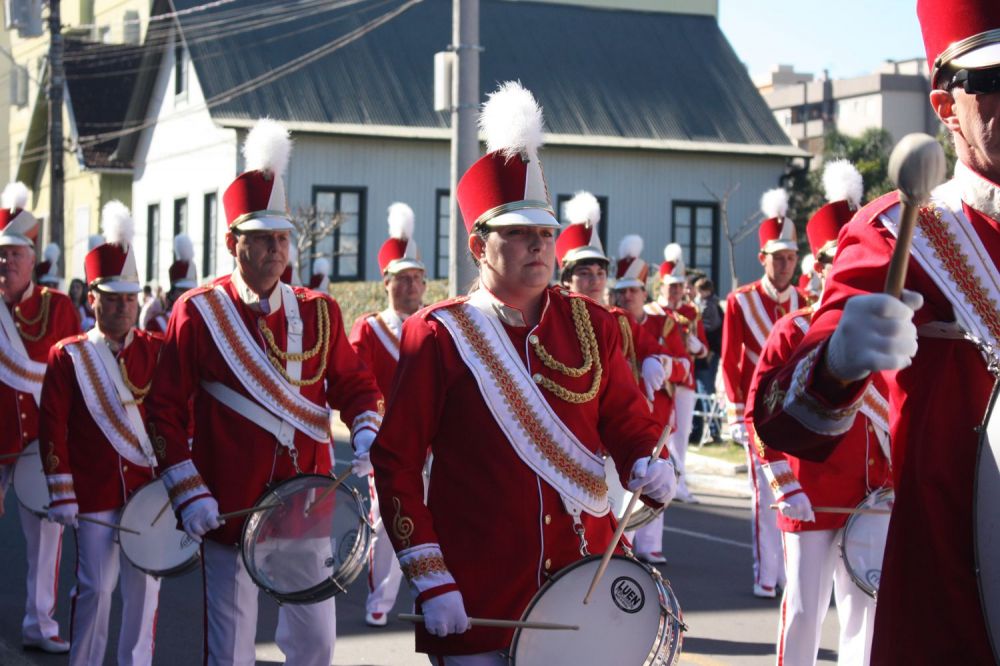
{"type": "Point", "coordinates": [56, 83]}
{"type": "Point", "coordinates": [464, 133]}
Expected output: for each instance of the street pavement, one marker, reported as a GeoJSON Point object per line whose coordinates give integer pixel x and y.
{"type": "Point", "coordinates": [709, 568]}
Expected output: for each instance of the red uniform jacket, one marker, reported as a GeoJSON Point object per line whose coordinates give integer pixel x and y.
{"type": "Point", "coordinates": [71, 439]}
{"type": "Point", "coordinates": [935, 406]}
{"type": "Point", "coordinates": [236, 458]}
{"type": "Point", "coordinates": [501, 529]}
{"type": "Point", "coordinates": [855, 469]}
{"type": "Point", "coordinates": [750, 314]}
{"type": "Point", "coordinates": [371, 347]}
{"type": "Point", "coordinates": [670, 333]}
{"type": "Point", "coordinates": [52, 317]}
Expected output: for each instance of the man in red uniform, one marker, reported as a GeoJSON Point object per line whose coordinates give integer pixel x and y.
{"type": "Point", "coordinates": [95, 385]}
{"type": "Point", "coordinates": [939, 385]}
{"type": "Point", "coordinates": [813, 563]}
{"type": "Point", "coordinates": [751, 312]}
{"type": "Point", "coordinates": [155, 314]}
{"type": "Point", "coordinates": [672, 305]}
{"type": "Point", "coordinates": [261, 360]}
{"type": "Point", "coordinates": [522, 386]}
{"type": "Point", "coordinates": [375, 338]}
{"type": "Point", "coordinates": [34, 319]}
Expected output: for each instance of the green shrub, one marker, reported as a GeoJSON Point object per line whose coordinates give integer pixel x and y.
{"type": "Point", "coordinates": [357, 298]}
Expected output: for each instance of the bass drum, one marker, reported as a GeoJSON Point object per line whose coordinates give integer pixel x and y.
{"type": "Point", "coordinates": [632, 618]}
{"type": "Point", "coordinates": [862, 544]}
{"type": "Point", "coordinates": [619, 499]}
{"type": "Point", "coordinates": [986, 523]}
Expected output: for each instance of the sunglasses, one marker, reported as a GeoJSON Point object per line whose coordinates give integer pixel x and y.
{"type": "Point", "coordinates": [976, 81]}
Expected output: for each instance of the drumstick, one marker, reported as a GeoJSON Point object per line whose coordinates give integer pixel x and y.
{"type": "Point", "coordinates": [846, 509]}
{"type": "Point", "coordinates": [326, 493]}
{"type": "Point", "coordinates": [97, 521]}
{"type": "Point", "coordinates": [503, 624]}
{"type": "Point", "coordinates": [916, 166]}
{"type": "Point", "coordinates": [622, 524]}
{"type": "Point", "coordinates": [163, 510]}
{"type": "Point", "coordinates": [5, 456]}
{"type": "Point", "coordinates": [253, 509]}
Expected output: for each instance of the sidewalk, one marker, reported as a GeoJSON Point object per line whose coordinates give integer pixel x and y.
{"type": "Point", "coordinates": [706, 474]}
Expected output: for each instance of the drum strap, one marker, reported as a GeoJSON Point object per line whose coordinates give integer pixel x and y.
{"type": "Point", "coordinates": [250, 410]}
{"type": "Point", "coordinates": [17, 370]}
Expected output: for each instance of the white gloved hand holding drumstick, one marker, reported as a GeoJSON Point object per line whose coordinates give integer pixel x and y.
{"type": "Point", "coordinates": [200, 517]}
{"type": "Point", "coordinates": [797, 507]}
{"type": "Point", "coordinates": [875, 332]}
{"type": "Point", "coordinates": [445, 614]}
{"type": "Point", "coordinates": [362, 464]}
{"type": "Point", "coordinates": [657, 480]}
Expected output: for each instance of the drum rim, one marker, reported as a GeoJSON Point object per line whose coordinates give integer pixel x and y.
{"type": "Point", "coordinates": [867, 502]}
{"type": "Point", "coordinates": [978, 556]}
{"type": "Point", "coordinates": [324, 589]}
{"type": "Point", "coordinates": [188, 565]}
{"type": "Point", "coordinates": [13, 476]}
{"type": "Point", "coordinates": [650, 658]}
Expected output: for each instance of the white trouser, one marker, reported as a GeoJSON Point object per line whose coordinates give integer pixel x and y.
{"type": "Point", "coordinates": [306, 632]}
{"type": "Point", "coordinates": [43, 548]}
{"type": "Point", "coordinates": [649, 537]}
{"type": "Point", "coordinates": [384, 574]}
{"type": "Point", "coordinates": [814, 566]}
{"type": "Point", "coordinates": [768, 564]}
{"type": "Point", "coordinates": [684, 401]}
{"type": "Point", "coordinates": [481, 659]}
{"type": "Point", "coordinates": [99, 565]}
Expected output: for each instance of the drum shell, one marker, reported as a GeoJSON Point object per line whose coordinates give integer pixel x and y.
{"type": "Point", "coordinates": [30, 486]}
{"type": "Point", "coordinates": [182, 568]}
{"type": "Point", "coordinates": [881, 498]}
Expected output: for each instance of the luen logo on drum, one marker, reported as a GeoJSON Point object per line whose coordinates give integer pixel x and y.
{"type": "Point", "coordinates": [627, 594]}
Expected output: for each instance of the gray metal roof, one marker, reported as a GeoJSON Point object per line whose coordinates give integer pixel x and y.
{"type": "Point", "coordinates": [597, 73]}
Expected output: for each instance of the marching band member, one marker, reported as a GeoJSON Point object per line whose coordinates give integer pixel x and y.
{"type": "Point", "coordinates": [671, 305]}
{"type": "Point", "coordinates": [47, 271]}
{"type": "Point", "coordinates": [262, 362]}
{"type": "Point", "coordinates": [34, 318]}
{"type": "Point", "coordinates": [939, 384]}
{"type": "Point", "coordinates": [751, 312]}
{"type": "Point", "coordinates": [183, 276]}
{"type": "Point", "coordinates": [813, 563]}
{"type": "Point", "coordinates": [375, 338]}
{"type": "Point", "coordinates": [811, 279]}
{"type": "Point", "coordinates": [521, 386]}
{"type": "Point", "coordinates": [95, 385]}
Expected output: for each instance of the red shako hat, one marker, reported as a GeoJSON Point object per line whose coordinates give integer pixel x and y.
{"type": "Point", "coordinates": [672, 270]}
{"type": "Point", "coordinates": [959, 34]}
{"type": "Point", "coordinates": [255, 201]}
{"type": "Point", "coordinates": [111, 267]}
{"type": "Point", "coordinates": [399, 252]}
{"type": "Point", "coordinates": [630, 270]}
{"type": "Point", "coordinates": [506, 186]}
{"type": "Point", "coordinates": [17, 226]}
{"type": "Point", "coordinates": [183, 274]}
{"type": "Point", "coordinates": [843, 185]}
{"type": "Point", "coordinates": [580, 239]}
{"type": "Point", "coordinates": [776, 232]}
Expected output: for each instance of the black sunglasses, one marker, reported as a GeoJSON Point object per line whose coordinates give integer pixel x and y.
{"type": "Point", "coordinates": [976, 81]}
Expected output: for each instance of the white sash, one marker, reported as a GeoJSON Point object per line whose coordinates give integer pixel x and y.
{"type": "Point", "coordinates": [535, 431]}
{"type": "Point", "coordinates": [253, 369]}
{"type": "Point", "coordinates": [385, 333]}
{"type": "Point", "coordinates": [17, 370]}
{"type": "Point", "coordinates": [109, 401]}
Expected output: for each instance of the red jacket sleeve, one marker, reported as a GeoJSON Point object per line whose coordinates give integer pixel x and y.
{"type": "Point", "coordinates": [732, 355]}
{"type": "Point", "coordinates": [53, 426]}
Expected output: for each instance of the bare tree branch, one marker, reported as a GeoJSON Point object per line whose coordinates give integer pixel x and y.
{"type": "Point", "coordinates": [747, 226]}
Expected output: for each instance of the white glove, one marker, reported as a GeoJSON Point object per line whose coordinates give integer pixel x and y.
{"type": "Point", "coordinates": [200, 516]}
{"type": "Point", "coordinates": [658, 481]}
{"type": "Point", "coordinates": [797, 507]}
{"type": "Point", "coordinates": [445, 614]}
{"type": "Point", "coordinates": [362, 464]}
{"type": "Point", "coordinates": [65, 514]}
{"type": "Point", "coordinates": [875, 332]}
{"type": "Point", "coordinates": [739, 434]}
{"type": "Point", "coordinates": [694, 345]}
{"type": "Point", "coordinates": [653, 375]}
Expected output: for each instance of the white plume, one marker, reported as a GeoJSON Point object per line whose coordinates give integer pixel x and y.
{"type": "Point", "coordinates": [512, 122]}
{"type": "Point", "coordinates": [321, 266]}
{"type": "Point", "coordinates": [808, 263]}
{"type": "Point", "coordinates": [774, 203]}
{"type": "Point", "coordinates": [51, 253]}
{"type": "Point", "coordinates": [630, 246]}
{"type": "Point", "coordinates": [673, 253]}
{"type": "Point", "coordinates": [183, 247]}
{"type": "Point", "coordinates": [842, 182]}
{"type": "Point", "coordinates": [14, 196]}
{"type": "Point", "coordinates": [583, 208]}
{"type": "Point", "coordinates": [94, 240]}
{"type": "Point", "coordinates": [268, 147]}
{"type": "Point", "coordinates": [400, 221]}
{"type": "Point", "coordinates": [117, 224]}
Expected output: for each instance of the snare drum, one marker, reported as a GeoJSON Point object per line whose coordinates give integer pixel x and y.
{"type": "Point", "coordinates": [160, 549]}
{"type": "Point", "coordinates": [619, 499]}
{"type": "Point", "coordinates": [863, 542]}
{"type": "Point", "coordinates": [30, 486]}
{"type": "Point", "coordinates": [311, 544]}
{"type": "Point", "coordinates": [633, 617]}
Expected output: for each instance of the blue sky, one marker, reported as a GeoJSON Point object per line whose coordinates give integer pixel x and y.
{"type": "Point", "coordinates": [847, 37]}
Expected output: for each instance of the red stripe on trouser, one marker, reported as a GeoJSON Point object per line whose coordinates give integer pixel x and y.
{"type": "Point", "coordinates": [784, 608]}
{"type": "Point", "coordinates": [55, 578]}
{"type": "Point", "coordinates": [204, 608]}
{"type": "Point", "coordinates": [756, 518]}
{"type": "Point", "coordinates": [76, 590]}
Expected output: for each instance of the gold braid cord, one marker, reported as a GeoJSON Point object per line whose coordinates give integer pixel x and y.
{"type": "Point", "coordinates": [138, 393]}
{"type": "Point", "coordinates": [322, 347]}
{"type": "Point", "coordinates": [628, 346]}
{"type": "Point", "coordinates": [43, 317]}
{"type": "Point", "coordinates": [591, 358]}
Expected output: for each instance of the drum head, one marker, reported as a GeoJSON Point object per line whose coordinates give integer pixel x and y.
{"type": "Point", "coordinates": [625, 621]}
{"type": "Point", "coordinates": [986, 526]}
{"type": "Point", "coordinates": [29, 481]}
{"type": "Point", "coordinates": [160, 549]}
{"type": "Point", "coordinates": [863, 545]}
{"type": "Point", "coordinates": [311, 545]}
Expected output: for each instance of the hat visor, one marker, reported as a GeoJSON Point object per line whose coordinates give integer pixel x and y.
{"type": "Point", "coordinates": [12, 239]}
{"type": "Point", "coordinates": [266, 223]}
{"type": "Point", "coordinates": [778, 245]}
{"type": "Point", "coordinates": [625, 283]}
{"type": "Point", "coordinates": [184, 284]}
{"type": "Point", "coordinates": [400, 265]}
{"type": "Point", "coordinates": [582, 254]}
{"type": "Point", "coordinates": [526, 217]}
{"type": "Point", "coordinates": [984, 56]}
{"type": "Point", "coordinates": [119, 287]}
{"type": "Point", "coordinates": [673, 279]}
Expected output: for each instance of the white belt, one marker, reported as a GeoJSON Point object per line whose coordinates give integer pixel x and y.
{"type": "Point", "coordinates": [250, 410]}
